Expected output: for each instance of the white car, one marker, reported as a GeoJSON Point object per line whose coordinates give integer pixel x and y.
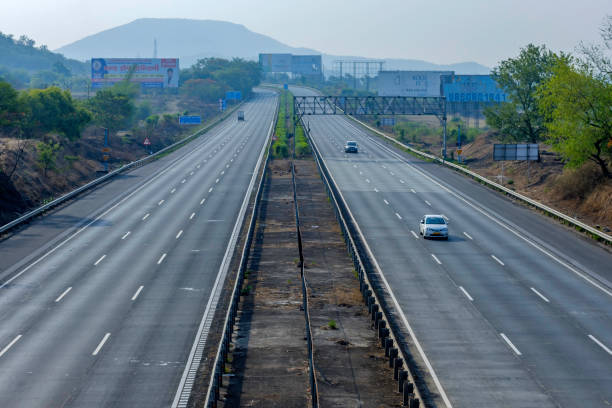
{"type": "Point", "coordinates": [434, 226]}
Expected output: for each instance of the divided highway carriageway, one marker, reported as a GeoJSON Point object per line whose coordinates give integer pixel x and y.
{"type": "Point", "coordinates": [514, 310]}
{"type": "Point", "coordinates": [101, 300]}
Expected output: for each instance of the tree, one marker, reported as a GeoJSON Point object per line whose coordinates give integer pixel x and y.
{"type": "Point", "coordinates": [577, 103]}
{"type": "Point", "coordinates": [9, 106]}
{"type": "Point", "coordinates": [520, 120]}
{"type": "Point", "coordinates": [111, 110]}
{"type": "Point", "coordinates": [52, 109]}
{"type": "Point", "coordinates": [47, 154]}
{"type": "Point", "coordinates": [598, 55]}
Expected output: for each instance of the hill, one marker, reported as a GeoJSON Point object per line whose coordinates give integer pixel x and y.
{"type": "Point", "coordinates": [22, 54]}
{"type": "Point", "coordinates": [191, 40]}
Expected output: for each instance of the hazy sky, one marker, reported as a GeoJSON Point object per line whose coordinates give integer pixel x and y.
{"type": "Point", "coordinates": [439, 31]}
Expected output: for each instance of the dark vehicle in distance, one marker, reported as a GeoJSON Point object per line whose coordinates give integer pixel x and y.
{"type": "Point", "coordinates": [351, 147]}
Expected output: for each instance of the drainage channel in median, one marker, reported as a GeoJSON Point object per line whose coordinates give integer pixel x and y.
{"type": "Point", "coordinates": [268, 361]}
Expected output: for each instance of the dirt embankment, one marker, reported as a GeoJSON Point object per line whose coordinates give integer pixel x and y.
{"type": "Point", "coordinates": [579, 193]}
{"type": "Point", "coordinates": [25, 183]}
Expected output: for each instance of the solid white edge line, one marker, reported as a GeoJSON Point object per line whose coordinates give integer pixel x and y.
{"type": "Point", "coordinates": [161, 259]}
{"type": "Point", "coordinates": [101, 344]}
{"type": "Point", "coordinates": [466, 293]}
{"type": "Point", "coordinates": [468, 235]}
{"type": "Point", "coordinates": [534, 290]}
{"type": "Point", "coordinates": [137, 293]}
{"type": "Point", "coordinates": [100, 260]}
{"type": "Point", "coordinates": [64, 293]}
{"type": "Point", "coordinates": [498, 260]}
{"type": "Point", "coordinates": [414, 234]}
{"type": "Point", "coordinates": [599, 343]}
{"type": "Point", "coordinates": [396, 304]}
{"type": "Point", "coordinates": [495, 220]}
{"type": "Point", "coordinates": [11, 344]}
{"type": "Point", "coordinates": [436, 259]}
{"type": "Point", "coordinates": [512, 346]}
{"type": "Point", "coordinates": [179, 234]}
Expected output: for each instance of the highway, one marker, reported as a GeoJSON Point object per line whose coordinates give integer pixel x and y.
{"type": "Point", "coordinates": [513, 310]}
{"type": "Point", "coordinates": [101, 300]}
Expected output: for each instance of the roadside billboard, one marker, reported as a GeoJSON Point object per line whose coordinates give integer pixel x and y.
{"type": "Point", "coordinates": [149, 72]}
{"type": "Point", "coordinates": [472, 88]}
{"type": "Point", "coordinates": [509, 152]}
{"type": "Point", "coordinates": [306, 65]}
{"type": "Point", "coordinates": [275, 62]}
{"type": "Point", "coordinates": [410, 83]}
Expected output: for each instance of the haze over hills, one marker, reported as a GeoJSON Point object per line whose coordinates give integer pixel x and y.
{"type": "Point", "coordinates": [191, 40]}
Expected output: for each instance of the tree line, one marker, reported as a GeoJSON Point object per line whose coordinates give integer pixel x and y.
{"type": "Point", "coordinates": [33, 114]}
{"type": "Point", "coordinates": [560, 99]}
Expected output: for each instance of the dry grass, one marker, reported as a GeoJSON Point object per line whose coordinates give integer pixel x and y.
{"type": "Point", "coordinates": [576, 183]}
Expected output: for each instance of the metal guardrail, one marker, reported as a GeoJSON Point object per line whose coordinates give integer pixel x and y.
{"type": "Point", "coordinates": [216, 377]}
{"type": "Point", "coordinates": [27, 217]}
{"type": "Point", "coordinates": [599, 235]}
{"type": "Point", "coordinates": [384, 322]}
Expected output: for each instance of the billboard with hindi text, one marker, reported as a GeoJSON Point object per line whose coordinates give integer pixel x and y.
{"type": "Point", "coordinates": [149, 72]}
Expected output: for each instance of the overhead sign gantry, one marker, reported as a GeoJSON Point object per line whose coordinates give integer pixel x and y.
{"type": "Point", "coordinates": [373, 105]}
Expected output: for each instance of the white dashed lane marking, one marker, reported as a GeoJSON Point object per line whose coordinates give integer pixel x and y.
{"type": "Point", "coordinates": [101, 344]}
{"type": "Point", "coordinates": [137, 293]}
{"type": "Point", "coordinates": [64, 293]}
{"type": "Point", "coordinates": [11, 344]}
{"type": "Point", "coordinates": [544, 298]}
{"type": "Point", "coordinates": [498, 260]}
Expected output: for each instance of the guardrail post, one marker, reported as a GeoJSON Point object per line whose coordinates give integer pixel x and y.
{"type": "Point", "coordinates": [403, 377]}
{"type": "Point", "coordinates": [414, 403]}
{"type": "Point", "coordinates": [398, 362]}
{"type": "Point", "coordinates": [388, 347]}
{"type": "Point", "coordinates": [393, 352]}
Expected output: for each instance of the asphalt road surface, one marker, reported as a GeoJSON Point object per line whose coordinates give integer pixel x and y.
{"type": "Point", "coordinates": [513, 310]}
{"type": "Point", "coordinates": [100, 301]}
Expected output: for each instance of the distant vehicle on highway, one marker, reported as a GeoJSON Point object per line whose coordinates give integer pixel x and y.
{"type": "Point", "coordinates": [433, 226]}
{"type": "Point", "coordinates": [240, 115]}
{"type": "Point", "coordinates": [351, 147]}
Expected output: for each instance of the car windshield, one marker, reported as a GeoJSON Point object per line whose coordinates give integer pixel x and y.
{"type": "Point", "coordinates": [351, 143]}
{"type": "Point", "coordinates": [435, 220]}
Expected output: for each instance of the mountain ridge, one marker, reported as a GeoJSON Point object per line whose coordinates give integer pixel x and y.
{"type": "Point", "coordinates": [190, 40]}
